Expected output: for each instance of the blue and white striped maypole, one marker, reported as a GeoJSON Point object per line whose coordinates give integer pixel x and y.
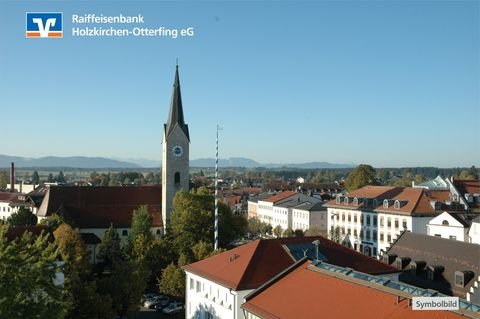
{"type": "Point", "coordinates": [215, 247]}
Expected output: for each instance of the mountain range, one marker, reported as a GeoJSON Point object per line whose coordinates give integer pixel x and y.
{"type": "Point", "coordinates": [103, 162]}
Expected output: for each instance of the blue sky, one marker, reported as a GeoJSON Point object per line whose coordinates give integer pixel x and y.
{"type": "Point", "coordinates": [388, 83]}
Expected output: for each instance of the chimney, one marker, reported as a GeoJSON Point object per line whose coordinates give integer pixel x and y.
{"type": "Point", "coordinates": [12, 177]}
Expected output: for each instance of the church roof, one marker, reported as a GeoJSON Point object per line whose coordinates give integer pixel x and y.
{"type": "Point", "coordinates": [176, 109]}
{"type": "Point", "coordinates": [100, 206]}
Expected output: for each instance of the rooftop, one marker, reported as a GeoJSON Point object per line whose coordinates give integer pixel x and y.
{"type": "Point", "coordinates": [452, 255]}
{"type": "Point", "coordinates": [307, 291]}
{"type": "Point", "coordinates": [250, 265]}
{"type": "Point", "coordinates": [100, 206]}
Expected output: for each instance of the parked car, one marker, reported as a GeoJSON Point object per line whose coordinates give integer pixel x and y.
{"type": "Point", "coordinates": [150, 303]}
{"type": "Point", "coordinates": [172, 308]}
{"type": "Point", "coordinates": [146, 297]}
{"type": "Point", "coordinates": [162, 303]}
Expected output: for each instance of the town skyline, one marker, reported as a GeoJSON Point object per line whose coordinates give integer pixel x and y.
{"type": "Point", "coordinates": [387, 84]}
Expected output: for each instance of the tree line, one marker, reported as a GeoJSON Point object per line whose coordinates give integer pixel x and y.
{"type": "Point", "coordinates": [127, 269]}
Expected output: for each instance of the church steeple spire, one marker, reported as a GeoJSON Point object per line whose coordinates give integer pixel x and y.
{"type": "Point", "coordinates": [176, 109]}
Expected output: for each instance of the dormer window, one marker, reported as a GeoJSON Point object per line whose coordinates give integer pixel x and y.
{"type": "Point", "coordinates": [462, 278]}
{"type": "Point", "coordinates": [417, 266]}
{"type": "Point", "coordinates": [396, 205]}
{"type": "Point", "coordinates": [338, 200]}
{"type": "Point", "coordinates": [346, 200]}
{"type": "Point", "coordinates": [385, 203]}
{"type": "Point", "coordinates": [434, 272]}
{"type": "Point", "coordinates": [355, 201]}
{"type": "Point", "coordinates": [401, 262]}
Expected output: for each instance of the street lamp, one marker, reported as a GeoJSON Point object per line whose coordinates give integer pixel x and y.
{"type": "Point", "coordinates": [316, 243]}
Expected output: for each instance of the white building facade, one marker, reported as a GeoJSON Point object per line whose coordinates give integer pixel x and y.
{"type": "Point", "coordinates": [446, 226]}
{"type": "Point", "coordinates": [371, 218]}
{"type": "Point", "coordinates": [206, 299]}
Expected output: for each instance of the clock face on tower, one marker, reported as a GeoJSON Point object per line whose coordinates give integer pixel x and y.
{"type": "Point", "coordinates": [177, 151]}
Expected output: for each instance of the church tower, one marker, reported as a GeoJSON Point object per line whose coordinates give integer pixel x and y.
{"type": "Point", "coordinates": [175, 153]}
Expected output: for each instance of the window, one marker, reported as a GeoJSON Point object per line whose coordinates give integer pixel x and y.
{"type": "Point", "coordinates": [381, 237]}
{"type": "Point", "coordinates": [389, 238]}
{"type": "Point", "coordinates": [343, 216]}
{"type": "Point", "coordinates": [158, 232]}
{"type": "Point", "coordinates": [346, 200]}
{"type": "Point", "coordinates": [368, 220]}
{"type": "Point", "coordinates": [192, 284]}
{"type": "Point", "coordinates": [124, 232]}
{"type": "Point", "coordinates": [349, 231]}
{"type": "Point", "coordinates": [438, 235]}
{"type": "Point", "coordinates": [343, 230]}
{"type": "Point", "coordinates": [177, 178]}
{"type": "Point", "coordinates": [374, 251]}
{"type": "Point", "coordinates": [355, 201]}
{"type": "Point", "coordinates": [385, 203]}
{"type": "Point", "coordinates": [404, 224]}
{"type": "Point", "coordinates": [381, 221]}
{"type": "Point", "coordinates": [367, 234]}
{"type": "Point", "coordinates": [396, 222]}
{"type": "Point", "coordinates": [396, 205]}
{"type": "Point", "coordinates": [349, 218]}
{"type": "Point", "coordinates": [355, 219]}
{"type": "Point", "coordinates": [338, 199]}
{"type": "Point", "coordinates": [459, 279]}
{"type": "Point", "coordinates": [374, 221]}
{"type": "Point", "coordinates": [355, 233]}
{"type": "Point", "coordinates": [374, 236]}
{"type": "Point", "coordinates": [389, 222]}
{"type": "Point", "coordinates": [453, 237]}
{"type": "Point", "coordinates": [361, 234]}
{"type": "Point", "coordinates": [198, 286]}
{"type": "Point", "coordinates": [445, 223]}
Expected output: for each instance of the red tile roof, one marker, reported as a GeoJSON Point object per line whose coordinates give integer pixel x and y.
{"type": "Point", "coordinates": [470, 186]}
{"type": "Point", "coordinates": [98, 207]}
{"type": "Point", "coordinates": [250, 265]}
{"type": "Point", "coordinates": [9, 197]}
{"type": "Point", "coordinates": [247, 190]}
{"type": "Point", "coordinates": [415, 201]}
{"type": "Point", "coordinates": [279, 196]}
{"type": "Point", "coordinates": [307, 293]}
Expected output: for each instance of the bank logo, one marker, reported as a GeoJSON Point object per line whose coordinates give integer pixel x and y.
{"type": "Point", "coordinates": [44, 25]}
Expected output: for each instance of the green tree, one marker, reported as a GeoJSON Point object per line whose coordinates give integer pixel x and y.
{"type": "Point", "coordinates": [50, 178]}
{"type": "Point", "coordinates": [61, 178]}
{"type": "Point", "coordinates": [141, 224]}
{"type": "Point", "coordinates": [172, 281]}
{"type": "Point", "coordinates": [469, 174]}
{"type": "Point", "coordinates": [125, 285]}
{"type": "Point", "coordinates": [202, 250]}
{"type": "Point", "coordinates": [298, 233]}
{"type": "Point", "coordinates": [81, 294]}
{"type": "Point", "coordinates": [192, 221]}
{"type": "Point", "coordinates": [28, 266]}
{"type": "Point", "coordinates": [53, 221]}
{"type": "Point", "coordinates": [335, 234]}
{"type": "Point", "coordinates": [4, 180]}
{"type": "Point", "coordinates": [35, 178]}
{"type": "Point", "coordinates": [277, 231]}
{"type": "Point", "coordinates": [288, 232]}
{"type": "Point", "coordinates": [361, 176]}
{"type": "Point", "coordinates": [110, 250]}
{"type": "Point", "coordinates": [22, 217]}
